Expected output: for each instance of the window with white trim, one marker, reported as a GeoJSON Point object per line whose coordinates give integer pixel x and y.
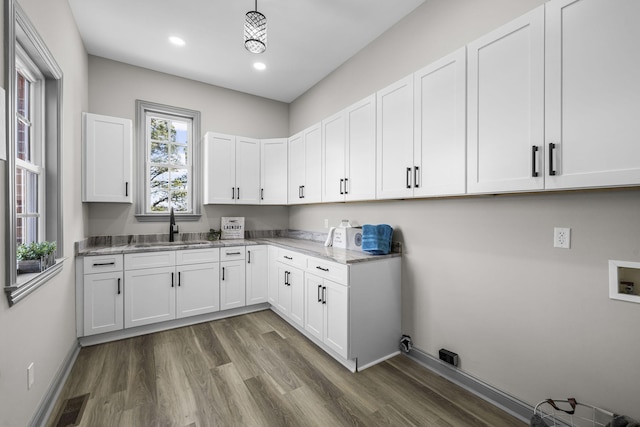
{"type": "Point", "coordinates": [168, 153]}
{"type": "Point", "coordinates": [29, 149]}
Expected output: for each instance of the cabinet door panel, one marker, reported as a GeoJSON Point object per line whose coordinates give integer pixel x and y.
{"type": "Point", "coordinates": [296, 280]}
{"type": "Point", "coordinates": [394, 139]}
{"type": "Point", "coordinates": [247, 171]}
{"type": "Point", "coordinates": [296, 168]}
{"type": "Point", "coordinates": [361, 150]}
{"type": "Point", "coordinates": [257, 274]}
{"type": "Point", "coordinates": [273, 276]}
{"type": "Point", "coordinates": [312, 191]}
{"type": "Point", "coordinates": [333, 158]}
{"type": "Point", "coordinates": [505, 106]}
{"type": "Point", "coordinates": [593, 92]}
{"type": "Point", "coordinates": [232, 285]}
{"type": "Point", "coordinates": [284, 290]}
{"type": "Point", "coordinates": [440, 127]}
{"type": "Point", "coordinates": [107, 160]}
{"type": "Point", "coordinates": [219, 168]}
{"type": "Point", "coordinates": [149, 296]}
{"type": "Point", "coordinates": [103, 303]}
{"type": "Point", "coordinates": [314, 310]}
{"type": "Point", "coordinates": [273, 170]}
{"type": "Point", "coordinates": [336, 323]}
{"type": "Point", "coordinates": [198, 289]}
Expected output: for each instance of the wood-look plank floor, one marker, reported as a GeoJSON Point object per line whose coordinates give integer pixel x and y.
{"type": "Point", "coordinates": [257, 370]}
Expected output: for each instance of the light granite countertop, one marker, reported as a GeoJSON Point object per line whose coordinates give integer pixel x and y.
{"type": "Point", "coordinates": [306, 247]}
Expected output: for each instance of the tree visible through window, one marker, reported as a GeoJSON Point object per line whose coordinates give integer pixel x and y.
{"type": "Point", "coordinates": [169, 163]}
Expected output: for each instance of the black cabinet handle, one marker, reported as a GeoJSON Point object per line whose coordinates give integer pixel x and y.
{"type": "Point", "coordinates": [238, 194]}
{"type": "Point", "coordinates": [118, 286]}
{"type": "Point", "coordinates": [286, 278]}
{"type": "Point", "coordinates": [222, 273]}
{"type": "Point", "coordinates": [319, 296]}
{"type": "Point", "coordinates": [179, 279]}
{"type": "Point", "coordinates": [262, 194]}
{"type": "Point", "coordinates": [552, 148]}
{"type": "Point", "coordinates": [534, 164]}
{"type": "Point", "coordinates": [324, 294]}
{"type": "Point", "coordinates": [408, 177]}
{"type": "Point", "coordinates": [321, 268]}
{"type": "Point", "coordinates": [416, 169]}
{"type": "Point", "coordinates": [346, 186]}
{"type": "Point", "coordinates": [248, 257]}
{"type": "Point", "coordinates": [126, 189]}
{"type": "Point", "coordinates": [288, 257]}
{"type": "Point", "coordinates": [234, 253]}
{"type": "Point", "coordinates": [172, 280]}
{"type": "Point", "coordinates": [341, 184]}
{"type": "Point", "coordinates": [233, 193]}
{"type": "Point", "coordinates": [299, 191]}
{"type": "Point", "coordinates": [302, 186]}
{"type": "Point", "coordinates": [100, 264]}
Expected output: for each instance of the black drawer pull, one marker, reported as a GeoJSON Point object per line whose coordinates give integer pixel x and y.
{"type": "Point", "coordinates": [234, 253]}
{"type": "Point", "coordinates": [126, 189]}
{"type": "Point", "coordinates": [222, 273]}
{"type": "Point", "coordinates": [288, 257]}
{"type": "Point", "coordinates": [319, 291]}
{"type": "Point", "coordinates": [322, 268]}
{"type": "Point", "coordinates": [324, 294]}
{"type": "Point", "coordinates": [100, 264]}
{"type": "Point", "coordinates": [118, 286]}
{"type": "Point", "coordinates": [408, 177]}
{"type": "Point", "coordinates": [534, 163]}
{"type": "Point", "coordinates": [552, 148]}
{"type": "Point", "coordinates": [172, 280]}
{"type": "Point", "coordinates": [179, 278]}
{"type": "Point", "coordinates": [248, 257]}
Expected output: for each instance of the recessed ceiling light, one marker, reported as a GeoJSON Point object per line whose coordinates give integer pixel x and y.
{"type": "Point", "coordinates": [259, 66]}
{"type": "Point", "coordinates": [177, 41]}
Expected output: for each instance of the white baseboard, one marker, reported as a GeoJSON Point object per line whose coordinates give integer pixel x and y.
{"type": "Point", "coordinates": [50, 398]}
{"type": "Point", "coordinates": [502, 400]}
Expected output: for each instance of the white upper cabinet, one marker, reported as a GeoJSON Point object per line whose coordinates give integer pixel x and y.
{"type": "Point", "coordinates": [247, 171]}
{"type": "Point", "coordinates": [305, 175]}
{"type": "Point", "coordinates": [440, 127]}
{"type": "Point", "coordinates": [592, 93]}
{"type": "Point", "coordinates": [349, 153]}
{"type": "Point", "coordinates": [273, 171]}
{"type": "Point", "coordinates": [107, 159]}
{"type": "Point", "coordinates": [219, 153]}
{"type": "Point", "coordinates": [506, 107]}
{"type": "Point", "coordinates": [394, 134]}
{"type": "Point", "coordinates": [231, 169]}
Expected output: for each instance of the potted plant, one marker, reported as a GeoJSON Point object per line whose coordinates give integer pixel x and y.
{"type": "Point", "coordinates": [213, 234]}
{"type": "Point", "coordinates": [35, 257]}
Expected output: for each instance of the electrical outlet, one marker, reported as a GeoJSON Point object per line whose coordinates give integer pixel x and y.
{"type": "Point", "coordinates": [562, 238]}
{"type": "Point", "coordinates": [31, 375]}
{"type": "Point", "coordinates": [326, 223]}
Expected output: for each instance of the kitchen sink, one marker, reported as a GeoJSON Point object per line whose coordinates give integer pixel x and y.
{"type": "Point", "coordinates": [164, 244]}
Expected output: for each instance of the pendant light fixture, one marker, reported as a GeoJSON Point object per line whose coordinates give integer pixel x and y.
{"type": "Point", "coordinates": [255, 31]}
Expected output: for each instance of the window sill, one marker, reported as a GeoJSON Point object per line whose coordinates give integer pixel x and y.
{"type": "Point", "coordinates": [165, 217]}
{"type": "Point", "coordinates": [27, 283]}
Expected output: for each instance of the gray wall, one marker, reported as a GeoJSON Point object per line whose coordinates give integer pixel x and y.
{"type": "Point", "coordinates": [41, 328]}
{"type": "Point", "coordinates": [113, 90]}
{"type": "Point", "coordinates": [480, 274]}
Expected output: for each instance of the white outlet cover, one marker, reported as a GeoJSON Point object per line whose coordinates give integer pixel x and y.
{"type": "Point", "coordinates": [562, 238]}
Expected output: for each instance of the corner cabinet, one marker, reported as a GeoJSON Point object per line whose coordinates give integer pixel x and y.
{"type": "Point", "coordinates": [592, 93]}
{"type": "Point", "coordinates": [106, 159]}
{"type": "Point", "coordinates": [506, 107]}
{"type": "Point", "coordinates": [305, 166]}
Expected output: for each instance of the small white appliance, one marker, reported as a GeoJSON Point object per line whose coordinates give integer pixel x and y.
{"type": "Point", "coordinates": [347, 237]}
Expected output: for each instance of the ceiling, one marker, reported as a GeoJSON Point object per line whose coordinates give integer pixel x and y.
{"type": "Point", "coordinates": [306, 39]}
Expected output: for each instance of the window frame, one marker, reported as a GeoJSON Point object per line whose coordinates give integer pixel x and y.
{"type": "Point", "coordinates": [20, 31]}
{"type": "Point", "coordinates": [143, 108]}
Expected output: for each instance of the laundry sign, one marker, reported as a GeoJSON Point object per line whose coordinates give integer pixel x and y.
{"type": "Point", "coordinates": [232, 227]}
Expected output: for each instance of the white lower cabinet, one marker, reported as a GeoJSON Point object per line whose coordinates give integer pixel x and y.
{"type": "Point", "coordinates": [232, 277]}
{"type": "Point", "coordinates": [256, 274]}
{"type": "Point", "coordinates": [167, 285]}
{"type": "Point", "coordinates": [103, 303]}
{"type": "Point", "coordinates": [290, 292]}
{"type": "Point", "coordinates": [198, 290]}
{"type": "Point", "coordinates": [327, 308]}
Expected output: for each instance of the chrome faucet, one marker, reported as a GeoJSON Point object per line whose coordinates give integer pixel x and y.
{"type": "Point", "coordinates": [173, 227]}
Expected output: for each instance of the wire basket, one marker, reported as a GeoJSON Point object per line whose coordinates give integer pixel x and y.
{"type": "Point", "coordinates": [569, 413]}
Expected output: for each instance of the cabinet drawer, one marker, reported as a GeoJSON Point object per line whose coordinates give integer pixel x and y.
{"type": "Point", "coordinates": [232, 253]}
{"type": "Point", "coordinates": [102, 263]}
{"type": "Point", "coordinates": [197, 256]}
{"type": "Point", "coordinates": [328, 270]}
{"type": "Point", "coordinates": [140, 260]}
{"type": "Point", "coordinates": [292, 258]}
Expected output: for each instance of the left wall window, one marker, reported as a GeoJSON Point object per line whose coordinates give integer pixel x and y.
{"type": "Point", "coordinates": [33, 172]}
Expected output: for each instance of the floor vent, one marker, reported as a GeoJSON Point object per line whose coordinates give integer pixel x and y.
{"type": "Point", "coordinates": [72, 410]}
